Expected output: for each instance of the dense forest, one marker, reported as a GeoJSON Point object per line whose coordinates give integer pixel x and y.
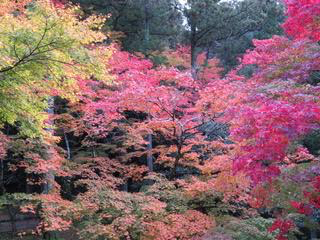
{"type": "Point", "coordinates": [160, 119]}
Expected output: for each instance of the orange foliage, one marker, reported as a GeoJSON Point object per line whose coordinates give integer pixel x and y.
{"type": "Point", "coordinates": [197, 188]}
{"type": "Point", "coordinates": [178, 57]}
{"type": "Point", "coordinates": [180, 226]}
{"type": "Point", "coordinates": [56, 213]}
{"type": "Point", "coordinates": [137, 172]}
{"type": "Point", "coordinates": [234, 185]}
{"type": "Point", "coordinates": [8, 6]}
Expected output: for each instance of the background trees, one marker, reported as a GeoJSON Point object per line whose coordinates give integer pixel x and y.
{"type": "Point", "coordinates": [213, 24]}
{"type": "Point", "coordinates": [144, 25]}
{"type": "Point", "coordinates": [223, 29]}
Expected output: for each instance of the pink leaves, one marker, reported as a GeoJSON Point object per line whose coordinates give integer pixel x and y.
{"type": "Point", "coordinates": [122, 61]}
{"type": "Point", "coordinates": [280, 105]}
{"type": "Point", "coordinates": [303, 21]}
{"type": "Point", "coordinates": [275, 107]}
{"type": "Point", "coordinates": [263, 53]}
{"type": "Point", "coordinates": [55, 212]}
{"type": "Point", "coordinates": [265, 130]}
{"type": "Point", "coordinates": [283, 59]}
{"type": "Point", "coordinates": [40, 165]}
{"type": "Point", "coordinates": [59, 3]}
{"type": "Point", "coordinates": [8, 6]}
{"type": "Point", "coordinates": [166, 95]}
{"type": "Point", "coordinates": [301, 155]}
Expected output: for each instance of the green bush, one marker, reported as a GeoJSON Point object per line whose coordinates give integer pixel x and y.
{"type": "Point", "coordinates": [251, 229]}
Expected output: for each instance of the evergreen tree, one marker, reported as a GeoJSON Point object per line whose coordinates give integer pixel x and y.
{"type": "Point", "coordinates": [212, 23]}
{"type": "Point", "coordinates": [144, 24]}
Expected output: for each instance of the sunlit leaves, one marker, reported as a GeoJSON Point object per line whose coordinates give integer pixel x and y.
{"type": "Point", "coordinates": [41, 52]}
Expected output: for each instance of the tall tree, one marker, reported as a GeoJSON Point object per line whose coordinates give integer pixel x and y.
{"type": "Point", "coordinates": [144, 24]}
{"type": "Point", "coordinates": [230, 50]}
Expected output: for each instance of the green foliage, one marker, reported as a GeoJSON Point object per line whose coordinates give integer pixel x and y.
{"type": "Point", "coordinates": [225, 29]}
{"type": "Point", "coordinates": [210, 203]}
{"type": "Point", "coordinates": [145, 25]}
{"type": "Point", "coordinates": [118, 214]}
{"type": "Point", "coordinates": [9, 236]}
{"type": "Point", "coordinates": [167, 192]}
{"type": "Point", "coordinates": [39, 53]}
{"type": "Point", "coordinates": [312, 142]}
{"type": "Point", "coordinates": [251, 229]}
{"type": "Point", "coordinates": [16, 199]}
{"type": "Point", "coordinates": [158, 60]}
{"type": "Point", "coordinates": [266, 18]}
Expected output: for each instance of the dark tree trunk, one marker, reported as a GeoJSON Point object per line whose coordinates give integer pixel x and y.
{"type": "Point", "coordinates": [67, 145]}
{"type": "Point", "coordinates": [193, 43]}
{"type": "Point", "coordinates": [2, 188]}
{"type": "Point", "coordinates": [193, 61]}
{"type": "Point", "coordinates": [176, 162]}
{"type": "Point", "coordinates": [149, 156]}
{"type": "Point", "coordinates": [146, 24]}
{"type": "Point", "coordinates": [49, 176]}
{"type": "Point", "coordinates": [146, 42]}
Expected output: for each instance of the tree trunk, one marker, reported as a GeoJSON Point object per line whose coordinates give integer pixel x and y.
{"type": "Point", "coordinates": [49, 176]}
{"type": "Point", "coordinates": [94, 154]}
{"type": "Point", "coordinates": [146, 25]}
{"type": "Point", "coordinates": [2, 188]}
{"type": "Point", "coordinates": [313, 235]}
{"type": "Point", "coordinates": [149, 156]}
{"type": "Point", "coordinates": [193, 62]}
{"type": "Point", "coordinates": [176, 162]}
{"type": "Point", "coordinates": [67, 145]}
{"type": "Point", "coordinates": [12, 213]}
{"type": "Point", "coordinates": [193, 43]}
{"type": "Point", "coordinates": [207, 55]}
{"type": "Point", "coordinates": [126, 186]}
{"type": "Point", "coordinates": [146, 42]}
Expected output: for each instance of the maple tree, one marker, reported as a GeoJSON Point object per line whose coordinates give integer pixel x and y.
{"type": "Point", "coordinates": [3, 152]}
{"type": "Point", "coordinates": [287, 197]}
{"type": "Point", "coordinates": [165, 95]}
{"type": "Point", "coordinates": [141, 100]}
{"type": "Point", "coordinates": [259, 108]}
